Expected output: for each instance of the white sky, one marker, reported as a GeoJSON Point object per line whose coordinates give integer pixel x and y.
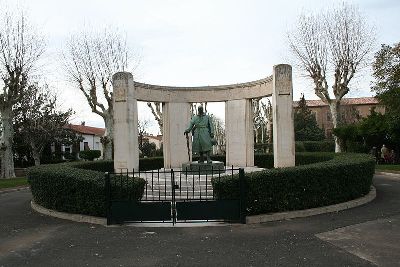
{"type": "Point", "coordinates": [207, 42]}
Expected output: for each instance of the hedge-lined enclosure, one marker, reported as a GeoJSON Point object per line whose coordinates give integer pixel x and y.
{"type": "Point", "coordinates": [343, 178]}
{"type": "Point", "coordinates": [78, 187]}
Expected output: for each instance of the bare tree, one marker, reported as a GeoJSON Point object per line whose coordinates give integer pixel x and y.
{"type": "Point", "coordinates": [20, 49]}
{"type": "Point", "coordinates": [219, 134]}
{"type": "Point", "coordinates": [338, 42]}
{"type": "Point", "coordinates": [156, 110]}
{"type": "Point", "coordinates": [90, 61]}
{"type": "Point", "coordinates": [258, 118]}
{"type": "Point", "coordinates": [142, 130]}
{"type": "Point", "coordinates": [267, 111]}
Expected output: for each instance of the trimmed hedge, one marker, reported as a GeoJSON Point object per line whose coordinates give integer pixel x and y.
{"type": "Point", "coordinates": [146, 164]}
{"type": "Point", "coordinates": [343, 178]}
{"type": "Point", "coordinates": [78, 187]}
{"type": "Point", "coordinates": [267, 160]}
{"type": "Point", "coordinates": [90, 154]}
{"type": "Point", "coordinates": [316, 146]}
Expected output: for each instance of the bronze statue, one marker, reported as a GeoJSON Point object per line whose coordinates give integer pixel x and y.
{"type": "Point", "coordinates": [203, 134]}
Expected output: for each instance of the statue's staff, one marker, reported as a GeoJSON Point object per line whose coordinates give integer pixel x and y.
{"type": "Point", "coordinates": [187, 145]}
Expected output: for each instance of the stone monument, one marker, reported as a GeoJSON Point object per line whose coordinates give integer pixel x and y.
{"type": "Point", "coordinates": [176, 113]}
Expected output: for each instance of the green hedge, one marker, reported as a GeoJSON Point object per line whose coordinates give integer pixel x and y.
{"type": "Point", "coordinates": [90, 154]}
{"type": "Point", "coordinates": [103, 166]}
{"type": "Point", "coordinates": [343, 178]}
{"type": "Point", "coordinates": [146, 164]}
{"type": "Point", "coordinates": [77, 187]}
{"type": "Point", "coordinates": [267, 160]}
{"type": "Point", "coordinates": [315, 146]}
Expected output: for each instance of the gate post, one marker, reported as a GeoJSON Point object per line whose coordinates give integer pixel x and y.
{"type": "Point", "coordinates": [173, 204]}
{"type": "Point", "coordinates": [243, 196]}
{"type": "Point", "coordinates": [107, 187]}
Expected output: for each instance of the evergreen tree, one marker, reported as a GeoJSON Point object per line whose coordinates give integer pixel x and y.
{"type": "Point", "coordinates": [305, 124]}
{"type": "Point", "coordinates": [386, 69]}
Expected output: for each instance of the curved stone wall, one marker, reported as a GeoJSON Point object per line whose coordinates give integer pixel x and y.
{"type": "Point", "coordinates": [220, 93]}
{"type": "Point", "coordinates": [176, 116]}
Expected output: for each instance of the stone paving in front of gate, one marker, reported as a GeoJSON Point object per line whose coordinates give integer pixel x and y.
{"type": "Point", "coordinates": [187, 185]}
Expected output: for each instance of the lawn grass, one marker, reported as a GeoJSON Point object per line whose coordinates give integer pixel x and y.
{"type": "Point", "coordinates": [13, 182]}
{"type": "Point", "coordinates": [391, 167]}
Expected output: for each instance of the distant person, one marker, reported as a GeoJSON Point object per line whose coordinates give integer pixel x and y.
{"type": "Point", "coordinates": [374, 153]}
{"type": "Point", "coordinates": [385, 153]}
{"type": "Point", "coordinates": [392, 156]}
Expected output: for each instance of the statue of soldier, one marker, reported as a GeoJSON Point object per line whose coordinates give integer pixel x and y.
{"type": "Point", "coordinates": [203, 132]}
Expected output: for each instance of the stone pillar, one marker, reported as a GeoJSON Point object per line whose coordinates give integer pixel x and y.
{"type": "Point", "coordinates": [239, 133]}
{"type": "Point", "coordinates": [282, 105]}
{"type": "Point", "coordinates": [176, 118]}
{"type": "Point", "coordinates": [126, 145]}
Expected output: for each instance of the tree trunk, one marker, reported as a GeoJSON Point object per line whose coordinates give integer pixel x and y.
{"type": "Point", "coordinates": [334, 108]}
{"type": "Point", "coordinates": [7, 155]}
{"type": "Point", "coordinates": [107, 141]}
{"type": "Point", "coordinates": [35, 155]}
{"type": "Point", "coordinates": [262, 133]}
{"type": "Point", "coordinates": [270, 135]}
{"type": "Point", "coordinates": [256, 135]}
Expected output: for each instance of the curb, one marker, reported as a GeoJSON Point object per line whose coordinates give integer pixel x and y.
{"type": "Point", "coordinates": [249, 219]}
{"type": "Point", "coordinates": [311, 212]}
{"type": "Point", "coordinates": [13, 189]}
{"type": "Point", "coordinates": [388, 174]}
{"type": "Point", "coordinates": [69, 216]}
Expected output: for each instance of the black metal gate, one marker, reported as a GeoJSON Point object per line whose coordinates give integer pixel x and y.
{"type": "Point", "coordinates": [171, 196]}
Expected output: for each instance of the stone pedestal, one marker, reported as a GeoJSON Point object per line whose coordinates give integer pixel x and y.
{"type": "Point", "coordinates": [203, 168]}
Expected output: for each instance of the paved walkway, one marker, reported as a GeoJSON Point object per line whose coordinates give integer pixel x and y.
{"type": "Point", "coordinates": [363, 236]}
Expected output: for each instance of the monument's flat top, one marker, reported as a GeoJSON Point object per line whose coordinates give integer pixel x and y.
{"type": "Point", "coordinates": [207, 87]}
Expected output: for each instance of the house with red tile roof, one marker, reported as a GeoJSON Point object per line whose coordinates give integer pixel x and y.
{"type": "Point", "coordinates": [155, 139]}
{"type": "Point", "coordinates": [351, 110]}
{"type": "Point", "coordinates": [91, 138]}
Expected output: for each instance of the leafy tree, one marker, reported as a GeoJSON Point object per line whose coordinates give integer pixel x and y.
{"type": "Point", "coordinates": [38, 123]}
{"type": "Point", "coordinates": [348, 135]}
{"type": "Point", "coordinates": [335, 43]}
{"type": "Point", "coordinates": [148, 149]}
{"type": "Point", "coordinates": [20, 49]}
{"type": "Point", "coordinates": [386, 69]}
{"type": "Point", "coordinates": [305, 124]}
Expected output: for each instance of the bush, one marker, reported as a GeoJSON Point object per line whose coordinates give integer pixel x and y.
{"type": "Point", "coordinates": [267, 160]}
{"type": "Point", "coordinates": [299, 147]}
{"type": "Point", "coordinates": [343, 178]}
{"type": "Point", "coordinates": [90, 154]}
{"type": "Point", "coordinates": [103, 166]}
{"type": "Point", "coordinates": [146, 164]}
{"type": "Point", "coordinates": [98, 165]}
{"type": "Point", "coordinates": [77, 187]}
{"type": "Point", "coordinates": [317, 146]}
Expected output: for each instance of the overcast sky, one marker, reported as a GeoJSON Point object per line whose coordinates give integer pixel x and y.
{"type": "Point", "coordinates": [185, 42]}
